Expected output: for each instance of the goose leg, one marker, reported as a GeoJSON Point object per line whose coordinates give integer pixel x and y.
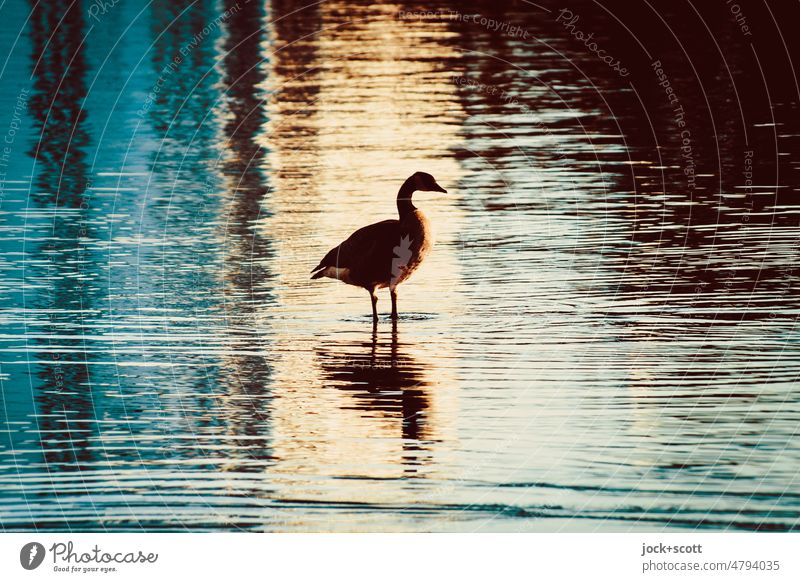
{"type": "Point", "coordinates": [374, 299]}
{"type": "Point", "coordinates": [393, 292]}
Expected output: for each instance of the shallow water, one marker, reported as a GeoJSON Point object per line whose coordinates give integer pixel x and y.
{"type": "Point", "coordinates": [598, 342]}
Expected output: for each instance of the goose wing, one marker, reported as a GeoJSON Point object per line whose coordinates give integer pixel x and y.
{"type": "Point", "coordinates": [367, 252]}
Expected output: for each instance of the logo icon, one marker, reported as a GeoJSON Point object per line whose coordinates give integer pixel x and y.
{"type": "Point", "coordinates": [402, 256]}
{"type": "Point", "coordinates": [31, 555]}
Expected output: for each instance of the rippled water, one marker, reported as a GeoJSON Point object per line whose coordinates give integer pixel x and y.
{"type": "Point", "coordinates": [599, 341]}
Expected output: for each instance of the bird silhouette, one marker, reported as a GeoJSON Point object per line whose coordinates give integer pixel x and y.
{"type": "Point", "coordinates": [386, 253]}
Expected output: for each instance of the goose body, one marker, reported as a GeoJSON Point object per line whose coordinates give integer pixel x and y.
{"type": "Point", "coordinates": [386, 253]}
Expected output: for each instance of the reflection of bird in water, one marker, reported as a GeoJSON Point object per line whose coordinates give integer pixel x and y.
{"type": "Point", "coordinates": [384, 254]}
{"type": "Point", "coordinates": [388, 381]}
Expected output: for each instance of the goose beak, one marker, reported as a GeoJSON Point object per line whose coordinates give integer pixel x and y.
{"type": "Point", "coordinates": [438, 188]}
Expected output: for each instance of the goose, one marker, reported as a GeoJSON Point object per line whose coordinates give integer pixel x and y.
{"type": "Point", "coordinates": [386, 253]}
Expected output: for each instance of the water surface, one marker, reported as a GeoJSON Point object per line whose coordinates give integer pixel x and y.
{"type": "Point", "coordinates": [603, 339]}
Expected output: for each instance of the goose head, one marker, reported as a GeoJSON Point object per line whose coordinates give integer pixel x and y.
{"type": "Point", "coordinates": [426, 183]}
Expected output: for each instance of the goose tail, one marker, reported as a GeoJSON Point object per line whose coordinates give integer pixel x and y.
{"type": "Point", "coordinates": [327, 261]}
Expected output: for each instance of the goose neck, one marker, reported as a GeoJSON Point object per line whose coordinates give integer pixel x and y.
{"type": "Point", "coordinates": [404, 204]}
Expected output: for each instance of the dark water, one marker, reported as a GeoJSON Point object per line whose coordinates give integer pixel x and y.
{"type": "Point", "coordinates": [604, 338]}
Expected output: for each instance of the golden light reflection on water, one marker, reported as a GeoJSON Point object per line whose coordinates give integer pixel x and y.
{"type": "Point", "coordinates": [341, 140]}
{"type": "Point", "coordinates": [559, 363]}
